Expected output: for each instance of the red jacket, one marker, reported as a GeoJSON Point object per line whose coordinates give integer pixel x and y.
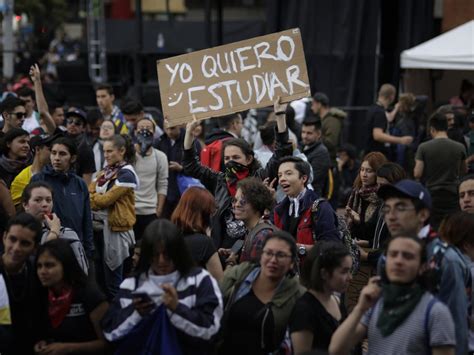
{"type": "Point", "coordinates": [311, 228]}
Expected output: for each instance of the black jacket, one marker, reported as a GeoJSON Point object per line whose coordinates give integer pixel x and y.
{"type": "Point", "coordinates": [215, 182]}
{"type": "Point", "coordinates": [318, 157]}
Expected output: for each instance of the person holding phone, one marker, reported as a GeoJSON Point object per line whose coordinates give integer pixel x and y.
{"type": "Point", "coordinates": [72, 306]}
{"type": "Point", "coordinates": [399, 317]}
{"type": "Point", "coordinates": [166, 288]}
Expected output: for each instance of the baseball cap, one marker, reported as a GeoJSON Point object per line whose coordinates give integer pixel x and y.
{"type": "Point", "coordinates": [409, 188]}
{"type": "Point", "coordinates": [77, 113]}
{"type": "Point", "coordinates": [41, 140]}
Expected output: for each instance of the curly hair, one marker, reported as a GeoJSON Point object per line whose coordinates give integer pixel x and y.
{"type": "Point", "coordinates": [257, 194]}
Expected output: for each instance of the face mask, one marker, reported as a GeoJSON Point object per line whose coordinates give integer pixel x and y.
{"type": "Point", "coordinates": [234, 172]}
{"type": "Point", "coordinates": [145, 140]}
{"type": "Point", "coordinates": [232, 168]}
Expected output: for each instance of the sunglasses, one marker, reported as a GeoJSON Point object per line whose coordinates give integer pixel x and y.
{"type": "Point", "coordinates": [74, 121]}
{"type": "Point", "coordinates": [18, 114]}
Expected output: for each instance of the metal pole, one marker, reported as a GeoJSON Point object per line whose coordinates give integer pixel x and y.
{"type": "Point", "coordinates": [208, 21]}
{"type": "Point", "coordinates": [137, 70]}
{"type": "Point", "coordinates": [377, 54]}
{"type": "Point", "coordinates": [220, 29]}
{"type": "Point", "coordinates": [8, 40]}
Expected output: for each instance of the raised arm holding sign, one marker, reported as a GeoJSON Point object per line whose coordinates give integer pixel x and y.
{"type": "Point", "coordinates": [234, 77]}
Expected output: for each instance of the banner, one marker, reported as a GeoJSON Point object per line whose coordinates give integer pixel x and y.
{"type": "Point", "coordinates": [233, 77]}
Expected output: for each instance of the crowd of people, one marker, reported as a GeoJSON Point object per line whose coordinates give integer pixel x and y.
{"type": "Point", "coordinates": [125, 234]}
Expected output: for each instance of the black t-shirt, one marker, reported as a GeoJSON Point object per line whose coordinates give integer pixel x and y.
{"type": "Point", "coordinates": [77, 326]}
{"type": "Point", "coordinates": [244, 327]}
{"type": "Point", "coordinates": [376, 118]}
{"type": "Point", "coordinates": [309, 314]}
{"type": "Point", "coordinates": [201, 248]}
{"type": "Point", "coordinates": [23, 289]}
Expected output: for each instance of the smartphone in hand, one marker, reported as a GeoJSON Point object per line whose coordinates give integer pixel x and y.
{"type": "Point", "coordinates": [237, 246]}
{"type": "Point", "coordinates": [143, 296]}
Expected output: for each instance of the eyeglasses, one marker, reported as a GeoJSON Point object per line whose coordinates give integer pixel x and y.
{"type": "Point", "coordinates": [280, 256]}
{"type": "Point", "coordinates": [18, 114]}
{"type": "Point", "coordinates": [108, 128]}
{"type": "Point", "coordinates": [76, 122]}
{"type": "Point", "coordinates": [242, 202]}
{"type": "Point", "coordinates": [397, 208]}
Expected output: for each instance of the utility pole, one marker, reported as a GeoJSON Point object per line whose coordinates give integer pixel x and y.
{"type": "Point", "coordinates": [8, 39]}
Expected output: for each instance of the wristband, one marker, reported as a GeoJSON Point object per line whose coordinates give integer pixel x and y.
{"type": "Point", "coordinates": [54, 232]}
{"type": "Point", "coordinates": [280, 113]}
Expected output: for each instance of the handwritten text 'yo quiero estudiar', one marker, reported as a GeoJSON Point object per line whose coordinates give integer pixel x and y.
{"type": "Point", "coordinates": [223, 69]}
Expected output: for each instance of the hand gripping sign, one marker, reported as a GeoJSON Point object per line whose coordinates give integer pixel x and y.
{"type": "Point", "coordinates": [234, 77]}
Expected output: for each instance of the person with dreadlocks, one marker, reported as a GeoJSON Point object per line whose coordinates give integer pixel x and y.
{"type": "Point", "coordinates": [240, 163]}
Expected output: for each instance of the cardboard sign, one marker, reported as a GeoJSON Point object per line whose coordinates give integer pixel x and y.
{"type": "Point", "coordinates": [234, 77]}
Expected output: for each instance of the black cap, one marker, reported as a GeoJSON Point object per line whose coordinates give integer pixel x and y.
{"type": "Point", "coordinates": [41, 140]}
{"type": "Point", "coordinates": [77, 113]}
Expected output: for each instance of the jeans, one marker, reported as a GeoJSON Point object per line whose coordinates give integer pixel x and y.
{"type": "Point", "coordinates": [112, 280]}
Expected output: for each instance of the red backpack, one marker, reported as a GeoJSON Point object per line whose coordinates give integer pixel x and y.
{"type": "Point", "coordinates": [211, 154]}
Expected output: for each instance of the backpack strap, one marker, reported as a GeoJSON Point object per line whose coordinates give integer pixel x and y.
{"type": "Point", "coordinates": [427, 321]}
{"type": "Point", "coordinates": [316, 204]}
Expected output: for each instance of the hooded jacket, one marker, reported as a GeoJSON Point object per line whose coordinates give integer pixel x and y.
{"type": "Point", "coordinates": [71, 203]}
{"type": "Point", "coordinates": [215, 182]}
{"type": "Point", "coordinates": [331, 127]}
{"type": "Point", "coordinates": [237, 283]}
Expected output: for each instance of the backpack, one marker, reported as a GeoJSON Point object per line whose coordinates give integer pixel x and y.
{"type": "Point", "coordinates": [258, 228]}
{"type": "Point", "coordinates": [211, 154]}
{"type": "Point", "coordinates": [344, 235]}
{"type": "Point", "coordinates": [75, 243]}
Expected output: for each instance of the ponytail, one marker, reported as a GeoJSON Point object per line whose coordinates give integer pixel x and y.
{"type": "Point", "coordinates": [124, 141]}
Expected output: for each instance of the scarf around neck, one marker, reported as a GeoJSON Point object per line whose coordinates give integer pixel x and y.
{"type": "Point", "coordinates": [367, 194]}
{"type": "Point", "coordinates": [399, 301]}
{"type": "Point", "coordinates": [109, 172]}
{"type": "Point", "coordinates": [14, 166]}
{"type": "Point", "coordinates": [59, 306]}
{"type": "Point", "coordinates": [295, 204]}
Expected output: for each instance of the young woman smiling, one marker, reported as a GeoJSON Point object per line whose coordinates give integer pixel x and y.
{"type": "Point", "coordinates": [259, 298]}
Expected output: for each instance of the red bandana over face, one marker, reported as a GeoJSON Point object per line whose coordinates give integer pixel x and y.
{"type": "Point", "coordinates": [234, 172]}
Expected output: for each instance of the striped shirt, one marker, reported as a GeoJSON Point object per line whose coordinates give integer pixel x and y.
{"type": "Point", "coordinates": [197, 316]}
{"type": "Point", "coordinates": [410, 337]}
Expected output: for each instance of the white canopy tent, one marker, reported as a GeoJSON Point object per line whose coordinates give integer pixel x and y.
{"type": "Point", "coordinates": [453, 50]}
{"type": "Point", "coordinates": [437, 67]}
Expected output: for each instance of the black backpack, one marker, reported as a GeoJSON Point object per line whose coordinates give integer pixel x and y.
{"type": "Point", "coordinates": [344, 235]}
